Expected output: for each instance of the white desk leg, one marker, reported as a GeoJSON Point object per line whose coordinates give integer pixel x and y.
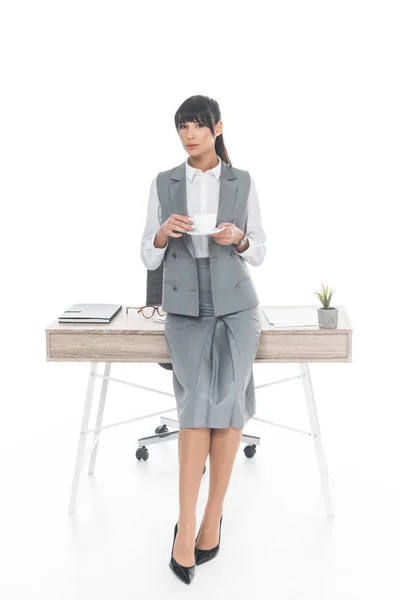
{"type": "Point", "coordinates": [99, 418]}
{"type": "Point", "coordinates": [316, 431]}
{"type": "Point", "coordinates": [82, 436]}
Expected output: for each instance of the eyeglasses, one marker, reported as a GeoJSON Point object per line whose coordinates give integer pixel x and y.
{"type": "Point", "coordinates": [148, 310]}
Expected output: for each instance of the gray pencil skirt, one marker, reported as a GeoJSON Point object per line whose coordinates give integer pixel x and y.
{"type": "Point", "coordinates": [212, 359]}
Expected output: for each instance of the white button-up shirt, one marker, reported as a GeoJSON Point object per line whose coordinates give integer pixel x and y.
{"type": "Point", "coordinates": [202, 192]}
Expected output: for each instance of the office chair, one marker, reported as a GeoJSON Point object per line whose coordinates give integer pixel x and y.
{"type": "Point", "coordinates": [154, 296]}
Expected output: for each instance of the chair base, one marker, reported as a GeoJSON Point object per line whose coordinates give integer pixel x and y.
{"type": "Point", "coordinates": [162, 434]}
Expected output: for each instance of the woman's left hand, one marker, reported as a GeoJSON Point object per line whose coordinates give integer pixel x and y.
{"type": "Point", "coordinates": [230, 235]}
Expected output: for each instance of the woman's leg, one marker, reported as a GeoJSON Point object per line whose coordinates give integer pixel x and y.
{"type": "Point", "coordinates": [193, 449]}
{"type": "Point", "coordinates": [223, 449]}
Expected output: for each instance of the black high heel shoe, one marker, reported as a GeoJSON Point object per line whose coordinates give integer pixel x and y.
{"type": "Point", "coordinates": [185, 574]}
{"type": "Point", "coordinates": [203, 556]}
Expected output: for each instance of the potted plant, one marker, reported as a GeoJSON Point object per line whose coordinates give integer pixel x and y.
{"type": "Point", "coordinates": [328, 315]}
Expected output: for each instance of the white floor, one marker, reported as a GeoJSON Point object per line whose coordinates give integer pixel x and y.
{"type": "Point", "coordinates": [276, 542]}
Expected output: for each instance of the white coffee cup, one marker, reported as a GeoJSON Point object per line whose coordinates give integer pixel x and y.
{"type": "Point", "coordinates": [204, 222]}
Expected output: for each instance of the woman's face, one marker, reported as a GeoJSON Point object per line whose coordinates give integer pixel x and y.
{"type": "Point", "coordinates": [199, 135]}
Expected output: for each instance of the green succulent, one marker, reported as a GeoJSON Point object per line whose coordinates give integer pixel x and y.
{"type": "Point", "coordinates": [325, 296]}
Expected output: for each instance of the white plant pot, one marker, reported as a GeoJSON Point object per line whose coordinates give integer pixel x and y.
{"type": "Point", "coordinates": [328, 317]}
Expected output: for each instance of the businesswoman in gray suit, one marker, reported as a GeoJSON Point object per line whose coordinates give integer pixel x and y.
{"type": "Point", "coordinates": [213, 320]}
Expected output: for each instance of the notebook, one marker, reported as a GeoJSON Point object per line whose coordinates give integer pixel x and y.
{"type": "Point", "coordinates": [89, 313]}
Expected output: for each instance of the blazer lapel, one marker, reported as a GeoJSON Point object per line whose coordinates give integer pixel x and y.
{"type": "Point", "coordinates": [226, 203]}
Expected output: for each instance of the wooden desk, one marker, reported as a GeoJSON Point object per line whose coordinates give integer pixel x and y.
{"type": "Point", "coordinates": [132, 338]}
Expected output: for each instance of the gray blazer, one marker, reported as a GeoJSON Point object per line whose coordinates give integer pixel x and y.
{"type": "Point", "coordinates": [232, 286]}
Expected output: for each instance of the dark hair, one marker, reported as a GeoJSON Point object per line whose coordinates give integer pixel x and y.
{"type": "Point", "coordinates": [205, 110]}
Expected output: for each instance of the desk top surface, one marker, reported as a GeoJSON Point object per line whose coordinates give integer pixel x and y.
{"type": "Point", "coordinates": [136, 323]}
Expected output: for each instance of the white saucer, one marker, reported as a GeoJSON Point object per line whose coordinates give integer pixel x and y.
{"type": "Point", "coordinates": [215, 230]}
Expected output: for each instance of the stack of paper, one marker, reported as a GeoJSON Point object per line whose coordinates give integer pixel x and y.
{"type": "Point", "coordinates": [159, 318]}
{"type": "Point", "coordinates": [292, 316]}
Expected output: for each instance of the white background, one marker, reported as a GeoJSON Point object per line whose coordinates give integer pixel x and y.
{"type": "Point", "coordinates": [309, 95]}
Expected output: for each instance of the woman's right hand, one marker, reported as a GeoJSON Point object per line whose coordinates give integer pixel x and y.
{"type": "Point", "coordinates": [176, 223]}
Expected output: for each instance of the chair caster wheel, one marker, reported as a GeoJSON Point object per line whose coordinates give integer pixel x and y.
{"type": "Point", "coordinates": [161, 429]}
{"type": "Point", "coordinates": [142, 453]}
{"type": "Point", "coordinates": [250, 450]}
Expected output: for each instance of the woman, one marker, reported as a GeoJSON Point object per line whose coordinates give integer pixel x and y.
{"type": "Point", "coordinates": [213, 320]}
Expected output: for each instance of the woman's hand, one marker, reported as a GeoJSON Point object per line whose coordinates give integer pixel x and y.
{"type": "Point", "coordinates": [173, 224]}
{"type": "Point", "coordinates": [176, 223]}
{"type": "Point", "coordinates": [230, 235]}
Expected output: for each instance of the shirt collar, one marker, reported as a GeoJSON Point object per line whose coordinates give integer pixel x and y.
{"type": "Point", "coordinates": [191, 171]}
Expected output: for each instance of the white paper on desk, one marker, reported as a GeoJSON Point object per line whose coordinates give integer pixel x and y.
{"type": "Point", "coordinates": [301, 316]}
{"type": "Point", "coordinates": [162, 319]}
